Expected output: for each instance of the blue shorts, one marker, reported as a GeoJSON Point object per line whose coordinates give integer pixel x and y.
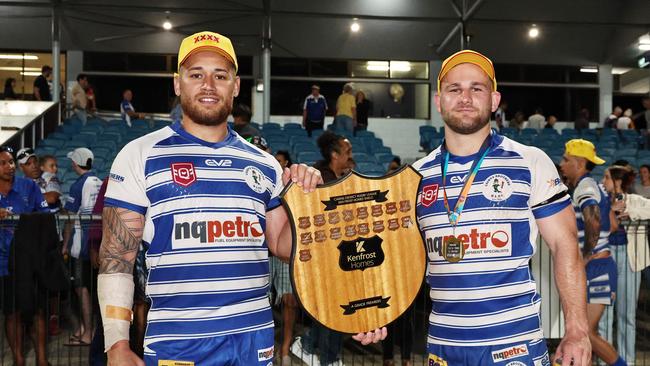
{"type": "Point", "coordinates": [524, 353]}
{"type": "Point", "coordinates": [243, 349]}
{"type": "Point", "coordinates": [601, 281]}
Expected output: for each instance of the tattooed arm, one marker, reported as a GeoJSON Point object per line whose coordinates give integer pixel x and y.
{"type": "Point", "coordinates": [122, 234]}
{"type": "Point", "coordinates": [591, 218]}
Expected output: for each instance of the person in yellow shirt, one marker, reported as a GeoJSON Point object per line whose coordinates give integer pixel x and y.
{"type": "Point", "coordinates": [346, 110]}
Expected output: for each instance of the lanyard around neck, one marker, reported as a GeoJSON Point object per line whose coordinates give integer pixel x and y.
{"type": "Point", "coordinates": [454, 215]}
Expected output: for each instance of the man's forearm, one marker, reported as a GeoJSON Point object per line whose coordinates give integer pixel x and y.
{"type": "Point", "coordinates": [571, 284]}
{"type": "Point", "coordinates": [122, 234]}
{"type": "Point", "coordinates": [591, 219]}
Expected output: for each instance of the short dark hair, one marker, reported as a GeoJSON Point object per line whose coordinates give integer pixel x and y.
{"type": "Point", "coordinates": [45, 69]}
{"type": "Point", "coordinates": [81, 77]}
{"type": "Point", "coordinates": [44, 158]}
{"type": "Point", "coordinates": [243, 111]}
{"type": "Point", "coordinates": [644, 166]}
{"type": "Point", "coordinates": [396, 159]}
{"type": "Point", "coordinates": [329, 142]}
{"type": "Point", "coordinates": [285, 155]}
{"type": "Point", "coordinates": [624, 174]}
{"type": "Point", "coordinates": [589, 165]}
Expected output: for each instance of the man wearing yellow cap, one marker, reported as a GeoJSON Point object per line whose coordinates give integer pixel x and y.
{"type": "Point", "coordinates": [592, 208]}
{"type": "Point", "coordinates": [483, 199]}
{"type": "Point", "coordinates": [206, 202]}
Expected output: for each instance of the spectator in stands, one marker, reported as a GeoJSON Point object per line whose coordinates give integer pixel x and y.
{"type": "Point", "coordinates": [18, 195]}
{"type": "Point", "coordinates": [518, 121]}
{"type": "Point", "coordinates": [346, 110]}
{"type": "Point", "coordinates": [92, 99]}
{"type": "Point", "coordinates": [242, 116]}
{"type": "Point", "coordinates": [28, 163]}
{"type": "Point", "coordinates": [592, 206]}
{"type": "Point", "coordinates": [625, 121]}
{"type": "Point", "coordinates": [314, 110]}
{"type": "Point", "coordinates": [618, 181]}
{"type": "Point", "coordinates": [126, 108]}
{"type": "Point", "coordinates": [337, 161]}
{"type": "Point", "coordinates": [363, 109]}
{"type": "Point", "coordinates": [41, 86]}
{"type": "Point", "coordinates": [395, 164]}
{"type": "Point", "coordinates": [550, 123]}
{"type": "Point", "coordinates": [500, 115]}
{"type": "Point", "coordinates": [80, 99]}
{"type": "Point", "coordinates": [282, 284]}
{"type": "Point", "coordinates": [537, 120]}
{"type": "Point", "coordinates": [9, 93]}
{"type": "Point", "coordinates": [641, 120]}
{"type": "Point", "coordinates": [642, 187]}
{"type": "Point", "coordinates": [82, 198]}
{"type": "Point", "coordinates": [48, 181]}
{"type": "Point", "coordinates": [610, 121]}
{"type": "Point", "coordinates": [582, 120]}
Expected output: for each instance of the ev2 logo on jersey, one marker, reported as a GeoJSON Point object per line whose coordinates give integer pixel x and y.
{"type": "Point", "coordinates": [183, 174]}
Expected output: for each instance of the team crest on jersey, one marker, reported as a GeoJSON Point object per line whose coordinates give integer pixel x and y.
{"type": "Point", "coordinates": [497, 187]}
{"type": "Point", "coordinates": [429, 194]}
{"type": "Point", "coordinates": [254, 178]}
{"type": "Point", "coordinates": [265, 354]}
{"type": "Point", "coordinates": [515, 363]}
{"type": "Point", "coordinates": [436, 361]}
{"type": "Point", "coordinates": [183, 174]}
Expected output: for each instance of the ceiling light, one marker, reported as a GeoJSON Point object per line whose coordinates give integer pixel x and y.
{"type": "Point", "coordinates": [644, 46]}
{"type": "Point", "coordinates": [533, 32]}
{"type": "Point", "coordinates": [355, 27]}
{"type": "Point", "coordinates": [167, 25]}
{"type": "Point", "coordinates": [18, 68]}
{"type": "Point", "coordinates": [18, 57]}
{"type": "Point", "coordinates": [30, 73]}
{"type": "Point", "coordinates": [589, 69]}
{"type": "Point", "coordinates": [403, 66]}
{"type": "Point", "coordinates": [377, 66]}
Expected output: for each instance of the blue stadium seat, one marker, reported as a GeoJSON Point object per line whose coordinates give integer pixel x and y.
{"type": "Point", "coordinates": [300, 139]}
{"type": "Point", "coordinates": [292, 126]}
{"type": "Point", "coordinates": [58, 136]}
{"type": "Point", "coordinates": [365, 133]}
{"type": "Point", "coordinates": [304, 146]}
{"type": "Point", "coordinates": [109, 144]}
{"type": "Point", "coordinates": [528, 132]}
{"type": "Point", "coordinates": [275, 147]}
{"type": "Point", "coordinates": [308, 157]}
{"type": "Point", "coordinates": [360, 157]}
{"type": "Point", "coordinates": [571, 132]}
{"type": "Point", "coordinates": [57, 144]}
{"type": "Point", "coordinates": [73, 144]}
{"type": "Point", "coordinates": [268, 126]}
{"type": "Point", "coordinates": [548, 132]}
{"type": "Point", "coordinates": [373, 169]}
{"type": "Point", "coordinates": [45, 150]}
{"type": "Point", "coordinates": [296, 132]}
{"type": "Point", "coordinates": [384, 158]}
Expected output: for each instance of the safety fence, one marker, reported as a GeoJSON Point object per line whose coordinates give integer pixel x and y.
{"type": "Point", "coordinates": [50, 313]}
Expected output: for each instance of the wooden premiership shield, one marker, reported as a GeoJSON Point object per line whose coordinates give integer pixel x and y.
{"type": "Point", "coordinates": [358, 258]}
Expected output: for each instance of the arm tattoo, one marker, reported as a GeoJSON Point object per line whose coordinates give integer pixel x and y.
{"type": "Point", "coordinates": [121, 237]}
{"type": "Point", "coordinates": [591, 218]}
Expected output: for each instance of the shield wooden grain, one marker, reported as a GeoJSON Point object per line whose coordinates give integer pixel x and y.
{"type": "Point", "coordinates": [358, 257]}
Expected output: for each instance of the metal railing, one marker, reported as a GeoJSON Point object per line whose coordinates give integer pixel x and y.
{"type": "Point", "coordinates": [58, 315]}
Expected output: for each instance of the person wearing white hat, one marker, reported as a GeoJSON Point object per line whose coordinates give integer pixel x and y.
{"type": "Point", "coordinates": [81, 200]}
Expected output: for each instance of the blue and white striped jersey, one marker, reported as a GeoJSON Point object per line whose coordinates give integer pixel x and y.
{"type": "Point", "coordinates": [588, 193]}
{"type": "Point", "coordinates": [489, 297]}
{"type": "Point", "coordinates": [205, 207]}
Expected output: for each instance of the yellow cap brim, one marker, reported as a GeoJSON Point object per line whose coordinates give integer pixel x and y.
{"type": "Point", "coordinates": [211, 49]}
{"type": "Point", "coordinates": [468, 57]}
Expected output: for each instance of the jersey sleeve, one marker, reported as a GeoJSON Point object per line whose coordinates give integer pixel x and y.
{"type": "Point", "coordinates": [38, 202]}
{"type": "Point", "coordinates": [586, 193]}
{"type": "Point", "coordinates": [278, 186]}
{"type": "Point", "coordinates": [126, 181]}
{"type": "Point", "coordinates": [548, 194]}
{"type": "Point", "coordinates": [126, 106]}
{"type": "Point", "coordinates": [73, 202]}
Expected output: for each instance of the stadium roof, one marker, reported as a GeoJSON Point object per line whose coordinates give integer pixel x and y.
{"type": "Point", "coordinates": [577, 32]}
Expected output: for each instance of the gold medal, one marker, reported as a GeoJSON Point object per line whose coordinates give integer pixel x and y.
{"type": "Point", "coordinates": [452, 249]}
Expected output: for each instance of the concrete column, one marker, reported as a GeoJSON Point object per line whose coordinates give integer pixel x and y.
{"type": "Point", "coordinates": [434, 69]}
{"type": "Point", "coordinates": [56, 52]}
{"type": "Point", "coordinates": [74, 67]}
{"type": "Point", "coordinates": [605, 92]}
{"type": "Point", "coordinates": [266, 61]}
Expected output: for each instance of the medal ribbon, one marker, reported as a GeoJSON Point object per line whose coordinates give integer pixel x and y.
{"type": "Point", "coordinates": [454, 215]}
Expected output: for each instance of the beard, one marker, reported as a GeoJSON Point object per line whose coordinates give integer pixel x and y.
{"type": "Point", "coordinates": [463, 126]}
{"type": "Point", "coordinates": [206, 117]}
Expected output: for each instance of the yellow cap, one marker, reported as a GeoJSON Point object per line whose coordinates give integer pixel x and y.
{"type": "Point", "coordinates": [584, 149]}
{"type": "Point", "coordinates": [207, 41]}
{"type": "Point", "coordinates": [468, 57]}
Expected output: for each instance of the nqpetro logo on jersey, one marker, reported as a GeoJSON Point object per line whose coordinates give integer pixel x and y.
{"type": "Point", "coordinates": [480, 241]}
{"type": "Point", "coordinates": [204, 229]}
